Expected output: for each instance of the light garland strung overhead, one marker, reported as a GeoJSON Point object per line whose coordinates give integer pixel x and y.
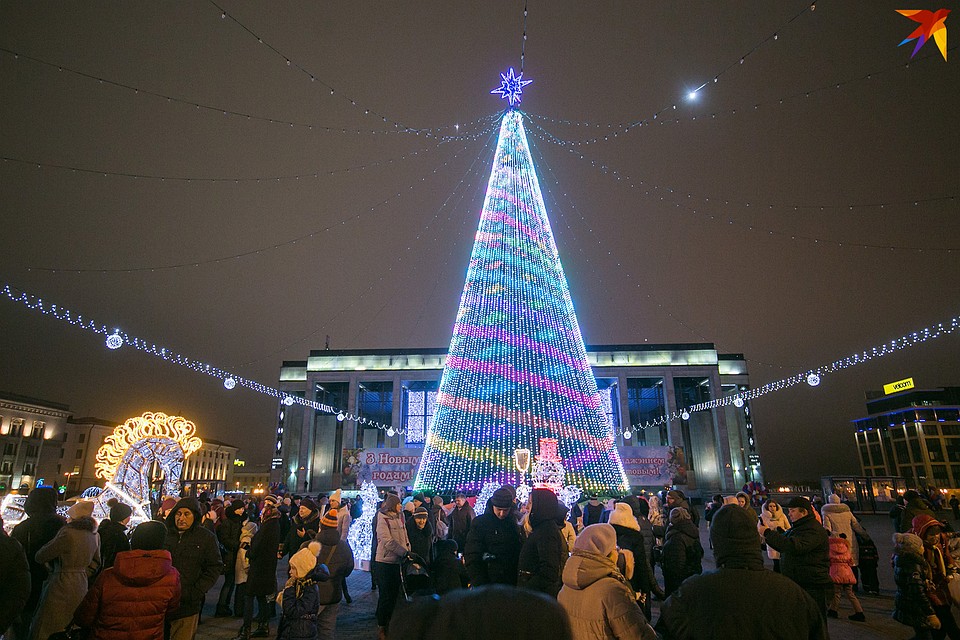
{"type": "Point", "coordinates": [112, 338]}
{"type": "Point", "coordinates": [199, 106]}
{"type": "Point", "coordinates": [259, 250]}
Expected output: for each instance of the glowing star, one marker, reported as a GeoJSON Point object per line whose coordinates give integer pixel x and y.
{"type": "Point", "coordinates": [511, 86]}
{"type": "Point", "coordinates": [931, 25]}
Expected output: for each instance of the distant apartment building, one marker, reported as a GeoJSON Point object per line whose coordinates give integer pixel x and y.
{"type": "Point", "coordinates": [31, 435]}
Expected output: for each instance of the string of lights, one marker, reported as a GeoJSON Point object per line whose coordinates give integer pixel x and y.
{"type": "Point", "coordinates": [315, 174]}
{"type": "Point", "coordinates": [679, 118]}
{"type": "Point", "coordinates": [473, 170]}
{"type": "Point", "coordinates": [666, 193]}
{"type": "Point", "coordinates": [293, 64]}
{"type": "Point", "coordinates": [813, 377]}
{"type": "Point", "coordinates": [116, 339]}
{"type": "Point", "coordinates": [627, 127]}
{"type": "Point", "coordinates": [378, 206]}
{"type": "Point", "coordinates": [230, 112]}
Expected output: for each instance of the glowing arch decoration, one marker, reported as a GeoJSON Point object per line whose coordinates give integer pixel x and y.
{"type": "Point", "coordinates": [128, 456]}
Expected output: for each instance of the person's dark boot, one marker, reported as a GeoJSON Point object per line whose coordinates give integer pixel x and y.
{"type": "Point", "coordinates": [244, 633]}
{"type": "Point", "coordinates": [223, 612]}
{"type": "Point", "coordinates": [262, 630]}
{"type": "Point", "coordinates": [857, 617]}
{"type": "Point", "coordinates": [832, 614]}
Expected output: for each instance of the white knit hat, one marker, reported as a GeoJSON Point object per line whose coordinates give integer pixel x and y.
{"type": "Point", "coordinates": [305, 560]}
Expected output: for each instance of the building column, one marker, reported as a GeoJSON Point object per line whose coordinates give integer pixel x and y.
{"type": "Point", "coordinates": [722, 438]}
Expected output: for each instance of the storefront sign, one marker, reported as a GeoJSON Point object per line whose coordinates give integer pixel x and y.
{"type": "Point", "coordinates": [899, 385]}
{"type": "Point", "coordinates": [659, 466]}
{"type": "Point", "coordinates": [383, 467]}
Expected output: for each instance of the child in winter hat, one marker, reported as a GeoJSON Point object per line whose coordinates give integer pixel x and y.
{"type": "Point", "coordinates": [300, 598]}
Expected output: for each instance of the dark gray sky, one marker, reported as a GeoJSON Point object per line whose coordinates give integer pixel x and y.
{"type": "Point", "coordinates": [390, 275]}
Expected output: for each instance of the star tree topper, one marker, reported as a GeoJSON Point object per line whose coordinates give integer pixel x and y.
{"type": "Point", "coordinates": [511, 86]}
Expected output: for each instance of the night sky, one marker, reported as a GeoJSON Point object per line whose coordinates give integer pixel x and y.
{"type": "Point", "coordinates": [729, 223]}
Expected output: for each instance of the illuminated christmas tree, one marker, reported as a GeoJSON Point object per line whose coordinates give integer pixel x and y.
{"type": "Point", "coordinates": [517, 368]}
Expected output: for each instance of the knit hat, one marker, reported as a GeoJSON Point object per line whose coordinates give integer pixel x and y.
{"type": "Point", "coordinates": [678, 515]}
{"type": "Point", "coordinates": [833, 499]}
{"type": "Point", "coordinates": [390, 503]}
{"type": "Point", "coordinates": [305, 560]}
{"type": "Point", "coordinates": [622, 515]}
{"type": "Point", "coordinates": [420, 512]}
{"type": "Point", "coordinates": [80, 509]}
{"type": "Point", "coordinates": [733, 532]}
{"type": "Point", "coordinates": [419, 498]}
{"type": "Point", "coordinates": [908, 543]}
{"type": "Point", "coordinates": [336, 497]}
{"type": "Point", "coordinates": [237, 504]}
{"type": "Point", "coordinates": [148, 536]}
{"type": "Point", "coordinates": [502, 498]}
{"type": "Point", "coordinates": [329, 519]}
{"type": "Point", "coordinates": [597, 538]}
{"type": "Point", "coordinates": [271, 500]}
{"type": "Point", "coordinates": [799, 502]}
{"type": "Point", "coordinates": [309, 504]}
{"type": "Point", "coordinates": [119, 511]}
{"type": "Point", "coordinates": [168, 504]}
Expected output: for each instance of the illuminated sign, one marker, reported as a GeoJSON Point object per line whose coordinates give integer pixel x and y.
{"type": "Point", "coordinates": [899, 385]}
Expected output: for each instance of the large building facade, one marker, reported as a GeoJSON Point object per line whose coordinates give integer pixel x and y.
{"type": "Point", "coordinates": [914, 434]}
{"type": "Point", "coordinates": [32, 432]}
{"type": "Point", "coordinates": [638, 385]}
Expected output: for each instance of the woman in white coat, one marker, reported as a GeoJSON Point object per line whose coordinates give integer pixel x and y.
{"type": "Point", "coordinates": [837, 519]}
{"type": "Point", "coordinates": [774, 518]}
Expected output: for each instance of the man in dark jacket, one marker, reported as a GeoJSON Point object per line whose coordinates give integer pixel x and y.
{"type": "Point", "coordinates": [739, 583]}
{"type": "Point", "coordinates": [113, 532]}
{"type": "Point", "coordinates": [493, 544]}
{"type": "Point", "coordinates": [337, 556]}
{"type": "Point", "coordinates": [196, 555]}
{"type": "Point", "coordinates": [460, 520]}
{"type": "Point", "coordinates": [262, 573]}
{"type": "Point", "coordinates": [544, 552]}
{"type": "Point", "coordinates": [420, 534]}
{"type": "Point", "coordinates": [15, 585]}
{"type": "Point", "coordinates": [304, 525]}
{"type": "Point", "coordinates": [804, 551]}
{"type": "Point", "coordinates": [32, 534]}
{"type": "Point", "coordinates": [228, 533]}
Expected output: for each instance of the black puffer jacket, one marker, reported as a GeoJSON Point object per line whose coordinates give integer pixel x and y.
{"type": "Point", "coordinates": [804, 554]}
{"type": "Point", "coordinates": [643, 579]}
{"type": "Point", "coordinates": [228, 533]}
{"type": "Point", "coordinates": [196, 555]}
{"type": "Point", "coordinates": [15, 585]}
{"type": "Point", "coordinates": [421, 540]}
{"type": "Point", "coordinates": [262, 574]}
{"type": "Point", "coordinates": [113, 540]}
{"type": "Point", "coordinates": [32, 534]}
{"type": "Point", "coordinates": [911, 606]}
{"type": "Point", "coordinates": [682, 554]}
{"type": "Point", "coordinates": [493, 549]}
{"type": "Point", "coordinates": [544, 552]}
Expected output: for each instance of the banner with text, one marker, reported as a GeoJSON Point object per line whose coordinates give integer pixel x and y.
{"type": "Point", "coordinates": [660, 466]}
{"type": "Point", "coordinates": [383, 467]}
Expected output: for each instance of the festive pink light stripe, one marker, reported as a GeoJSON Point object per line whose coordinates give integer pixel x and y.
{"type": "Point", "coordinates": [497, 333]}
{"type": "Point", "coordinates": [524, 418]}
{"type": "Point", "coordinates": [507, 219]}
{"type": "Point", "coordinates": [502, 194]}
{"type": "Point", "coordinates": [512, 374]}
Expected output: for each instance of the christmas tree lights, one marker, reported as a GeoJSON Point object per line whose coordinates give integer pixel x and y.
{"type": "Point", "coordinates": [517, 368]}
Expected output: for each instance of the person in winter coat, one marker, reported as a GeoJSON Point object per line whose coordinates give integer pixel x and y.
{"type": "Point", "coordinates": [913, 506]}
{"type": "Point", "coordinates": [942, 567]}
{"type": "Point", "coordinates": [544, 552]}
{"type": "Point", "coordinates": [262, 571]}
{"type": "Point", "coordinates": [774, 518]}
{"type": "Point", "coordinates": [566, 528]}
{"type": "Point", "coordinates": [74, 555]}
{"type": "Point", "coordinates": [337, 556]}
{"type": "Point", "coordinates": [630, 540]}
{"type": "Point", "coordinates": [676, 499]}
{"type": "Point", "coordinates": [754, 601]}
{"type": "Point", "coordinates": [494, 543]}
{"type": "Point", "coordinates": [911, 572]}
{"type": "Point", "coordinates": [869, 559]}
{"type": "Point", "coordinates": [592, 510]}
{"type": "Point", "coordinates": [843, 578]}
{"type": "Point", "coordinates": [682, 551]}
{"type": "Point", "coordinates": [299, 600]}
{"type": "Point", "coordinates": [228, 534]}
{"type": "Point", "coordinates": [491, 612]}
{"type": "Point", "coordinates": [438, 519]}
{"type": "Point", "coordinates": [447, 569]}
{"type": "Point", "coordinates": [837, 519]}
{"type": "Point", "coordinates": [344, 517]}
{"type": "Point", "coordinates": [392, 547]}
{"type": "Point", "coordinates": [460, 520]}
{"type": "Point", "coordinates": [37, 530]}
{"type": "Point", "coordinates": [646, 529]}
{"type": "Point", "coordinates": [597, 598]}
{"type": "Point", "coordinates": [15, 585]}
{"type": "Point", "coordinates": [242, 566]}
{"type": "Point", "coordinates": [656, 515]}
{"type": "Point", "coordinates": [804, 555]}
{"type": "Point", "coordinates": [113, 532]}
{"type": "Point", "coordinates": [131, 599]}
{"type": "Point", "coordinates": [304, 526]}
{"type": "Point", "coordinates": [196, 555]}
{"type": "Point", "coordinates": [420, 534]}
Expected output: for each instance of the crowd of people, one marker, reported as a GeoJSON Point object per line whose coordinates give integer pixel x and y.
{"type": "Point", "coordinates": [595, 566]}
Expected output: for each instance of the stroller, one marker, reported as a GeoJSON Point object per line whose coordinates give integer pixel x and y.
{"type": "Point", "coordinates": [414, 578]}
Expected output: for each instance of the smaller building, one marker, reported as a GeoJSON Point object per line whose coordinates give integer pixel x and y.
{"type": "Point", "coordinates": [31, 435]}
{"type": "Point", "coordinates": [82, 438]}
{"type": "Point", "coordinates": [251, 479]}
{"type": "Point", "coordinates": [914, 434]}
{"type": "Point", "coordinates": [210, 469]}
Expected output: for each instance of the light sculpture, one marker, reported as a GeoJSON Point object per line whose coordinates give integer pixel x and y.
{"type": "Point", "coordinates": [517, 367]}
{"type": "Point", "coordinates": [360, 536]}
{"type": "Point", "coordinates": [480, 507]}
